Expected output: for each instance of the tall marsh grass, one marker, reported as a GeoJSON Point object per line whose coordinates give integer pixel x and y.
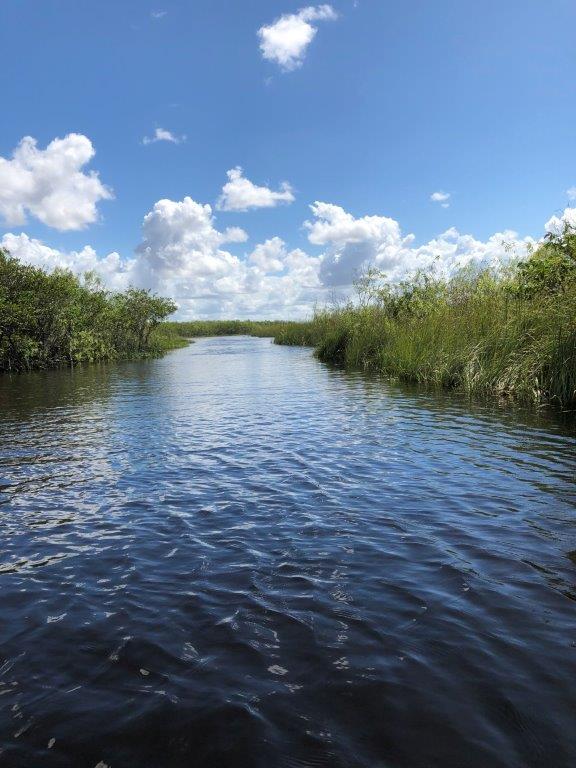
{"type": "Point", "coordinates": [282, 331]}
{"type": "Point", "coordinates": [510, 333]}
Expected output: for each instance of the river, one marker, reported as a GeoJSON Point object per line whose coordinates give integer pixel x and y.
{"type": "Point", "coordinates": [237, 556]}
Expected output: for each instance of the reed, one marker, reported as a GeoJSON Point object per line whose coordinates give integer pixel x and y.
{"type": "Point", "coordinates": [509, 334]}
{"type": "Point", "coordinates": [282, 331]}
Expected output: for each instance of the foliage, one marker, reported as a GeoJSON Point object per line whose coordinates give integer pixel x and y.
{"type": "Point", "coordinates": [54, 319]}
{"type": "Point", "coordinates": [197, 328]}
{"type": "Point", "coordinates": [510, 333]}
{"type": "Point", "coordinates": [552, 269]}
{"type": "Point", "coordinates": [284, 332]}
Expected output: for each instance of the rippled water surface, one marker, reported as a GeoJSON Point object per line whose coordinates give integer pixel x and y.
{"type": "Point", "coordinates": [235, 556]}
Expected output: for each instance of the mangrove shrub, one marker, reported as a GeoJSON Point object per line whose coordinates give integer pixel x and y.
{"type": "Point", "coordinates": [50, 319]}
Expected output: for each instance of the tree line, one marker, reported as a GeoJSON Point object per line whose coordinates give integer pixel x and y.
{"type": "Point", "coordinates": [51, 319]}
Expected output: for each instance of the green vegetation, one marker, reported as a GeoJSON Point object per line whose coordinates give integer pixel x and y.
{"type": "Point", "coordinates": [197, 328]}
{"type": "Point", "coordinates": [283, 332]}
{"type": "Point", "coordinates": [510, 334]}
{"type": "Point", "coordinates": [293, 334]}
{"type": "Point", "coordinates": [56, 319]}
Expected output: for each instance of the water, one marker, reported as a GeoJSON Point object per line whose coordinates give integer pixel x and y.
{"type": "Point", "coordinates": [235, 556]}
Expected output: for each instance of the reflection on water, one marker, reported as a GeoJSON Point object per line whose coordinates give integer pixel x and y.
{"type": "Point", "coordinates": [236, 556]}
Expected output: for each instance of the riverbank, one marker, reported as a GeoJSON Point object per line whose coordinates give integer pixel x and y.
{"type": "Point", "coordinates": [285, 332]}
{"type": "Point", "coordinates": [507, 334]}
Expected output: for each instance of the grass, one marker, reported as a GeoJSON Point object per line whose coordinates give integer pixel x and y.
{"type": "Point", "coordinates": [283, 332]}
{"type": "Point", "coordinates": [526, 351]}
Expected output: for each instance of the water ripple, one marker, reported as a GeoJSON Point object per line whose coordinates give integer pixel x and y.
{"type": "Point", "coordinates": [236, 556]}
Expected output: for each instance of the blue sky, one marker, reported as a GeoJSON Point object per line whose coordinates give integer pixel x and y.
{"type": "Point", "coordinates": [389, 103]}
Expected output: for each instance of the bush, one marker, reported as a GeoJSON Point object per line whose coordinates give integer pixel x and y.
{"type": "Point", "coordinates": [54, 319]}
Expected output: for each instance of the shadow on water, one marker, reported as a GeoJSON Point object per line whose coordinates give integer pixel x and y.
{"type": "Point", "coordinates": [235, 556]}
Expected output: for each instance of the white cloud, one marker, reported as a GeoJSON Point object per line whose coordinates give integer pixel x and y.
{"type": "Point", "coordinates": [182, 256]}
{"type": "Point", "coordinates": [181, 245]}
{"type": "Point", "coordinates": [571, 193]}
{"type": "Point", "coordinates": [116, 273]}
{"type": "Point", "coordinates": [353, 244]}
{"type": "Point", "coordinates": [161, 134]}
{"type": "Point", "coordinates": [286, 40]}
{"type": "Point", "coordinates": [269, 256]}
{"type": "Point", "coordinates": [273, 256]}
{"type": "Point", "coordinates": [50, 183]}
{"type": "Point", "coordinates": [555, 225]}
{"type": "Point", "coordinates": [240, 194]}
{"type": "Point", "coordinates": [453, 250]}
{"type": "Point", "coordinates": [441, 197]}
{"type": "Point", "coordinates": [158, 14]}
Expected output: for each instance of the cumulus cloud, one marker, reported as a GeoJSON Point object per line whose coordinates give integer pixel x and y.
{"type": "Point", "coordinates": [441, 197]}
{"type": "Point", "coordinates": [274, 256]}
{"type": "Point", "coordinates": [240, 194]}
{"type": "Point", "coordinates": [185, 256]}
{"type": "Point", "coordinates": [182, 246]}
{"type": "Point", "coordinates": [269, 256]}
{"type": "Point", "coordinates": [286, 40]}
{"type": "Point", "coordinates": [161, 134]}
{"type": "Point", "coordinates": [116, 272]}
{"type": "Point", "coordinates": [182, 255]}
{"type": "Point", "coordinates": [555, 225]}
{"type": "Point", "coordinates": [571, 193]}
{"type": "Point", "coordinates": [352, 244]}
{"type": "Point", "coordinates": [50, 184]}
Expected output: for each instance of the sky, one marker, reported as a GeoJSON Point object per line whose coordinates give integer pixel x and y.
{"type": "Point", "coordinates": [249, 158]}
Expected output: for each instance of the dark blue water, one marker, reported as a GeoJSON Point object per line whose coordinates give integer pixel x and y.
{"type": "Point", "coordinates": [236, 556]}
